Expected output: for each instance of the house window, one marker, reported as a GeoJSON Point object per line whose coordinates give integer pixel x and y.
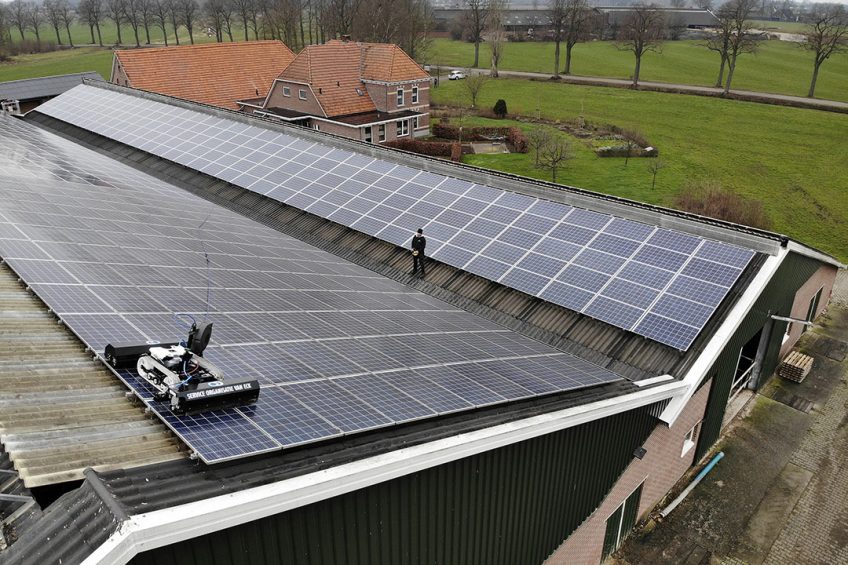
{"type": "Point", "coordinates": [286, 91]}
{"type": "Point", "coordinates": [691, 439]}
{"type": "Point", "coordinates": [301, 94]}
{"type": "Point", "coordinates": [402, 128]}
{"type": "Point", "coordinates": [621, 522]}
{"type": "Point", "coordinates": [400, 96]}
{"type": "Point", "coordinates": [315, 126]}
{"type": "Point", "coordinates": [381, 132]}
{"type": "Point", "coordinates": [368, 134]}
{"type": "Point", "coordinates": [415, 95]}
{"type": "Point", "coordinates": [415, 123]}
{"type": "Point", "coordinates": [813, 308]}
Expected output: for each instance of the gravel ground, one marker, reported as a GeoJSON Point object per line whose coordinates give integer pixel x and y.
{"type": "Point", "coordinates": [840, 289]}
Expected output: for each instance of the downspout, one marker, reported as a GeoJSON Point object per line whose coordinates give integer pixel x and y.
{"type": "Point", "coordinates": [676, 502]}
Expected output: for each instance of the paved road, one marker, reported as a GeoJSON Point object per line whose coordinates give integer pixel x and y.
{"type": "Point", "coordinates": [747, 95]}
{"type": "Point", "coordinates": [778, 497]}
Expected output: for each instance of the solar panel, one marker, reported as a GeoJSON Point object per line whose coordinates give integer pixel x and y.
{"type": "Point", "coordinates": [337, 348]}
{"type": "Point", "coordinates": [470, 226]}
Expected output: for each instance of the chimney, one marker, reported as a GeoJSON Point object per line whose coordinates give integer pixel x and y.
{"type": "Point", "coordinates": [346, 38]}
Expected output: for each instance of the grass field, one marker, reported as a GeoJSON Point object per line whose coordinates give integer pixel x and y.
{"type": "Point", "coordinates": [779, 66]}
{"type": "Point", "coordinates": [792, 160]}
{"type": "Point", "coordinates": [58, 63]}
{"type": "Point", "coordinates": [785, 27]}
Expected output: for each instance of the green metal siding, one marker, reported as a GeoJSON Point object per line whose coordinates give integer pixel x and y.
{"type": "Point", "coordinates": [511, 505]}
{"type": "Point", "coordinates": [777, 298]}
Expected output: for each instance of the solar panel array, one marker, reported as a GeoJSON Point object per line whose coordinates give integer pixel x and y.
{"type": "Point", "coordinates": [659, 283]}
{"type": "Point", "coordinates": [337, 348]}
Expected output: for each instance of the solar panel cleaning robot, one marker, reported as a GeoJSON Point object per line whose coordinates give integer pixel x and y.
{"type": "Point", "coordinates": [180, 375]}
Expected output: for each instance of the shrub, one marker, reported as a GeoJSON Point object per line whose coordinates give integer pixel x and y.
{"type": "Point", "coordinates": [710, 199]}
{"type": "Point", "coordinates": [431, 148]}
{"type": "Point", "coordinates": [500, 108]}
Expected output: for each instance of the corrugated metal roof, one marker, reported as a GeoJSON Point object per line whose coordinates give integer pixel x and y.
{"type": "Point", "coordinates": [60, 410]}
{"type": "Point", "coordinates": [44, 87]}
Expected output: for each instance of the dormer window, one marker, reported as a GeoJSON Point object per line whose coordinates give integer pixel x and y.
{"type": "Point", "coordinates": [400, 96]}
{"type": "Point", "coordinates": [415, 95]}
{"type": "Point", "coordinates": [301, 94]}
{"type": "Point", "coordinates": [286, 91]}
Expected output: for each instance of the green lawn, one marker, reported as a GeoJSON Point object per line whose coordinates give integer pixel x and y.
{"type": "Point", "coordinates": [58, 63]}
{"type": "Point", "coordinates": [793, 160]}
{"type": "Point", "coordinates": [779, 66]}
{"type": "Point", "coordinates": [785, 27]}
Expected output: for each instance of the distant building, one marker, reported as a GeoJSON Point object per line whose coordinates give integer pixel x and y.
{"type": "Point", "coordinates": [372, 92]}
{"type": "Point", "coordinates": [217, 74]}
{"type": "Point", "coordinates": [21, 96]}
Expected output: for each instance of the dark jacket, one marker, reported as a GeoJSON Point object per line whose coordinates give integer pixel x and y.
{"type": "Point", "coordinates": [419, 242]}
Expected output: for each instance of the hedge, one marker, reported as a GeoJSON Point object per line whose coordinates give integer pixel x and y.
{"type": "Point", "coordinates": [432, 148]}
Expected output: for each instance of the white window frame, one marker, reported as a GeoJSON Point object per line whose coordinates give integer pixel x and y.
{"type": "Point", "coordinates": [813, 306]}
{"type": "Point", "coordinates": [402, 128]}
{"type": "Point", "coordinates": [401, 97]}
{"type": "Point", "coordinates": [415, 95]}
{"type": "Point", "coordinates": [301, 94]}
{"type": "Point", "coordinates": [416, 123]}
{"type": "Point", "coordinates": [690, 440]}
{"type": "Point", "coordinates": [287, 91]}
{"type": "Point", "coordinates": [381, 132]}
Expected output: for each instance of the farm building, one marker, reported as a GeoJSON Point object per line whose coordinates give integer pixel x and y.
{"type": "Point", "coordinates": [566, 358]}
{"type": "Point", "coordinates": [21, 96]}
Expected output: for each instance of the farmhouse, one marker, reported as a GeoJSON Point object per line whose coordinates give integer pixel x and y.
{"type": "Point", "coordinates": [371, 92]}
{"type": "Point", "coordinates": [567, 357]}
{"type": "Point", "coordinates": [217, 74]}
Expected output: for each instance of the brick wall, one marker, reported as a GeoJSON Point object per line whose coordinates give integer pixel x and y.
{"type": "Point", "coordinates": [293, 102]}
{"type": "Point", "coordinates": [660, 469]}
{"type": "Point", "coordinates": [385, 97]}
{"type": "Point", "coordinates": [823, 278]}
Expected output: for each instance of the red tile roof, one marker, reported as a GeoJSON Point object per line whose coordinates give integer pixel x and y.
{"type": "Point", "coordinates": [212, 73]}
{"type": "Point", "coordinates": [336, 69]}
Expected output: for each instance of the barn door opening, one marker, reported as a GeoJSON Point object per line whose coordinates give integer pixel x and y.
{"type": "Point", "coordinates": [621, 522]}
{"type": "Point", "coordinates": [746, 365]}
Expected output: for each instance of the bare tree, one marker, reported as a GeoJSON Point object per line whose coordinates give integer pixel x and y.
{"type": "Point", "coordinates": [741, 40]}
{"type": "Point", "coordinates": [704, 4]}
{"type": "Point", "coordinates": [496, 33]}
{"type": "Point", "coordinates": [570, 21]}
{"type": "Point", "coordinates": [476, 15]}
{"type": "Point", "coordinates": [35, 17]}
{"type": "Point", "coordinates": [147, 9]}
{"type": "Point", "coordinates": [19, 16]}
{"type": "Point", "coordinates": [160, 14]}
{"type": "Point", "coordinates": [91, 12]}
{"type": "Point", "coordinates": [5, 30]}
{"type": "Point", "coordinates": [827, 34]}
{"type": "Point", "coordinates": [115, 9]}
{"type": "Point", "coordinates": [227, 15]}
{"type": "Point", "coordinates": [677, 3]}
{"type": "Point", "coordinates": [51, 12]}
{"type": "Point", "coordinates": [474, 83]}
{"type": "Point", "coordinates": [242, 9]}
{"type": "Point", "coordinates": [174, 14]}
{"type": "Point", "coordinates": [67, 15]}
{"type": "Point", "coordinates": [212, 12]}
{"type": "Point", "coordinates": [641, 32]}
{"type": "Point", "coordinates": [188, 12]}
{"type": "Point", "coordinates": [654, 168]}
{"type": "Point", "coordinates": [132, 12]}
{"type": "Point", "coordinates": [555, 155]}
{"type": "Point", "coordinates": [341, 14]}
{"type": "Point", "coordinates": [719, 42]}
{"type": "Point", "coordinates": [538, 138]}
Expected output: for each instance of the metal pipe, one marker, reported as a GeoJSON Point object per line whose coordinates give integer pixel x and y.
{"type": "Point", "coordinates": [667, 510]}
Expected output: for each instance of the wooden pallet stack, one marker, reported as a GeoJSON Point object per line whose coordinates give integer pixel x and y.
{"type": "Point", "coordinates": [795, 367]}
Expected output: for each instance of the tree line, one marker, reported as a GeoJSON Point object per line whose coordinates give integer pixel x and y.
{"type": "Point", "coordinates": [296, 22]}
{"type": "Point", "coordinates": [647, 26]}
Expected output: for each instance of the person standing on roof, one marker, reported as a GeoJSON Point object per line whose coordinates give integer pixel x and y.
{"type": "Point", "coordinates": [419, 242]}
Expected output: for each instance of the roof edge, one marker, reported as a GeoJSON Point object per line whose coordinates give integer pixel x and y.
{"type": "Point", "coordinates": [84, 74]}
{"type": "Point", "coordinates": [155, 529]}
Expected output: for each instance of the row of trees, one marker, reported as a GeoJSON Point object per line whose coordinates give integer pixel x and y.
{"type": "Point", "coordinates": [646, 27]}
{"type": "Point", "coordinates": [297, 22]}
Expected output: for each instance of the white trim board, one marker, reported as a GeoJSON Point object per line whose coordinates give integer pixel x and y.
{"type": "Point", "coordinates": [723, 335]}
{"type": "Point", "coordinates": [151, 530]}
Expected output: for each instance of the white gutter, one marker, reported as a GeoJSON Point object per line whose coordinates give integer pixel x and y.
{"type": "Point", "coordinates": [722, 335]}
{"type": "Point", "coordinates": [802, 249]}
{"type": "Point", "coordinates": [148, 531]}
